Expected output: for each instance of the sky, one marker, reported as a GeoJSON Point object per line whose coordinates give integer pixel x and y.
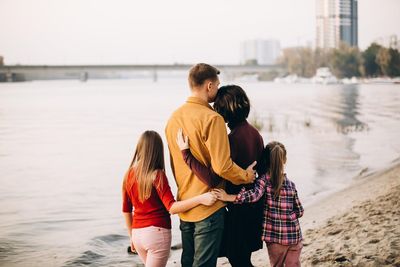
{"type": "Point", "coordinates": [166, 31]}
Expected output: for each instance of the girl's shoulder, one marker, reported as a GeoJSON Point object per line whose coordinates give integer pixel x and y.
{"type": "Point", "coordinates": [159, 177]}
{"type": "Point", "coordinates": [159, 173]}
{"type": "Point", "coordinates": [267, 179]}
{"type": "Point", "coordinates": [129, 178]}
{"type": "Point", "coordinates": [288, 183]}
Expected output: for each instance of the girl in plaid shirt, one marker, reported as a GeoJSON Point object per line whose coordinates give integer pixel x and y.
{"type": "Point", "coordinates": [282, 208]}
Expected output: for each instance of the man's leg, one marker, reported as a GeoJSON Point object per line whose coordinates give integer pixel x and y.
{"type": "Point", "coordinates": [187, 232]}
{"type": "Point", "coordinates": [207, 239]}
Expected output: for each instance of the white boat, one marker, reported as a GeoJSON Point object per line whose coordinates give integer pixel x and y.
{"type": "Point", "coordinates": [292, 78]}
{"type": "Point", "coordinates": [248, 78]}
{"type": "Point", "coordinates": [324, 76]}
{"type": "Point", "coordinates": [353, 80]}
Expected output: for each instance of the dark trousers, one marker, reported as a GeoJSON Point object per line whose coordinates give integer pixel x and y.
{"type": "Point", "coordinates": [201, 240]}
{"type": "Point", "coordinates": [242, 259]}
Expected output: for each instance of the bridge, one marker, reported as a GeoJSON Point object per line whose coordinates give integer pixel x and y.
{"type": "Point", "coordinates": [12, 73]}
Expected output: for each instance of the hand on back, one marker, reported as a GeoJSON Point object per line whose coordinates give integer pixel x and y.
{"type": "Point", "coordinates": [251, 173]}
{"type": "Point", "coordinates": [182, 140]}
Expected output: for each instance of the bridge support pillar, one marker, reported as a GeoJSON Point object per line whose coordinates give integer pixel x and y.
{"type": "Point", "coordinates": [155, 75]}
{"type": "Point", "coordinates": [10, 77]}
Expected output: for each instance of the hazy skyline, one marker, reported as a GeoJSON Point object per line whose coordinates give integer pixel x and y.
{"type": "Point", "coordinates": [165, 32]}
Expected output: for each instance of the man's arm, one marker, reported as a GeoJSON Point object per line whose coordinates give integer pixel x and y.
{"type": "Point", "coordinates": [218, 145]}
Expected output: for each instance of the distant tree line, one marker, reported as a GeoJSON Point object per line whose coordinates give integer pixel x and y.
{"type": "Point", "coordinates": [1, 60]}
{"type": "Point", "coordinates": [344, 62]}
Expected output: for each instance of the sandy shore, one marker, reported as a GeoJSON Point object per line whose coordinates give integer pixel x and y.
{"type": "Point", "coordinates": [358, 226]}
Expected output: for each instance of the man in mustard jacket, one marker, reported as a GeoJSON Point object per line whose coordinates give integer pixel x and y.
{"type": "Point", "coordinates": [202, 226]}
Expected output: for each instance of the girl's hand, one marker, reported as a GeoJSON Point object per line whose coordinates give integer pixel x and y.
{"type": "Point", "coordinates": [208, 199]}
{"type": "Point", "coordinates": [223, 196]}
{"type": "Point", "coordinates": [183, 141]}
{"type": "Point", "coordinates": [131, 248]}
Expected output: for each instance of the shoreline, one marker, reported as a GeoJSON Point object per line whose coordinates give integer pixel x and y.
{"type": "Point", "coordinates": [332, 224]}
{"type": "Point", "coordinates": [361, 189]}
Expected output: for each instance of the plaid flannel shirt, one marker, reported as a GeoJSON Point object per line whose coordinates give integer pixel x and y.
{"type": "Point", "coordinates": [280, 222]}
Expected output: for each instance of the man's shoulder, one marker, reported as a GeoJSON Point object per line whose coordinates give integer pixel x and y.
{"type": "Point", "coordinates": [194, 111]}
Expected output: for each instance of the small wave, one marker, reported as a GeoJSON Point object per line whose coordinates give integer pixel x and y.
{"type": "Point", "coordinates": [110, 238]}
{"type": "Point", "coordinates": [6, 248]}
{"type": "Point", "coordinates": [86, 259]}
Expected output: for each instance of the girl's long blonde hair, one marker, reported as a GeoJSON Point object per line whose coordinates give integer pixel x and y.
{"type": "Point", "coordinates": [147, 161]}
{"type": "Point", "coordinates": [277, 159]}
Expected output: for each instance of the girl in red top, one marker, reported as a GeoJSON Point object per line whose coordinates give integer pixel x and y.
{"type": "Point", "coordinates": [145, 187]}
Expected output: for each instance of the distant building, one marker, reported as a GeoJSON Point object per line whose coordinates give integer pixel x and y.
{"type": "Point", "coordinates": [1, 61]}
{"type": "Point", "coordinates": [337, 22]}
{"type": "Point", "coordinates": [260, 52]}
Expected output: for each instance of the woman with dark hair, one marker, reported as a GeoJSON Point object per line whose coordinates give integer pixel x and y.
{"type": "Point", "coordinates": [243, 223]}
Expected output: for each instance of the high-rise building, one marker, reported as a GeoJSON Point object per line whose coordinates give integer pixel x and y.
{"type": "Point", "coordinates": [337, 22]}
{"type": "Point", "coordinates": [261, 52]}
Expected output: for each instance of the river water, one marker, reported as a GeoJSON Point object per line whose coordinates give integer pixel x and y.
{"type": "Point", "coordinates": [65, 145]}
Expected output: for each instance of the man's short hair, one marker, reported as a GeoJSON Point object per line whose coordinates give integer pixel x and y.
{"type": "Point", "coordinates": [201, 72]}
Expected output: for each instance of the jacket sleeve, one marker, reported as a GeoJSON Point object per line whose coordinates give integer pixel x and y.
{"type": "Point", "coordinates": [218, 145]}
{"type": "Point", "coordinates": [297, 207]}
{"type": "Point", "coordinates": [127, 206]}
{"type": "Point", "coordinates": [252, 195]}
{"type": "Point", "coordinates": [164, 190]}
{"type": "Point", "coordinates": [204, 173]}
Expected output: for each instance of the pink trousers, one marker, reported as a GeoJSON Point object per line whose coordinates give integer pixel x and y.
{"type": "Point", "coordinates": [152, 244]}
{"type": "Point", "coordinates": [288, 256]}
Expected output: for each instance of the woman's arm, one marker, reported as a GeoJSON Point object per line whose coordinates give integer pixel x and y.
{"type": "Point", "coordinates": [205, 174]}
{"type": "Point", "coordinates": [244, 196]}
{"type": "Point", "coordinates": [165, 194]}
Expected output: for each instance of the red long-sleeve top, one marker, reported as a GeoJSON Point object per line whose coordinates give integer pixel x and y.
{"type": "Point", "coordinates": [154, 210]}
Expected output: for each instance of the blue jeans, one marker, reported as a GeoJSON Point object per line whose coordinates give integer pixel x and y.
{"type": "Point", "coordinates": [201, 240]}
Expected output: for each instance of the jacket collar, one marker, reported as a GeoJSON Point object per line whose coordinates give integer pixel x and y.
{"type": "Point", "coordinates": [199, 101]}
